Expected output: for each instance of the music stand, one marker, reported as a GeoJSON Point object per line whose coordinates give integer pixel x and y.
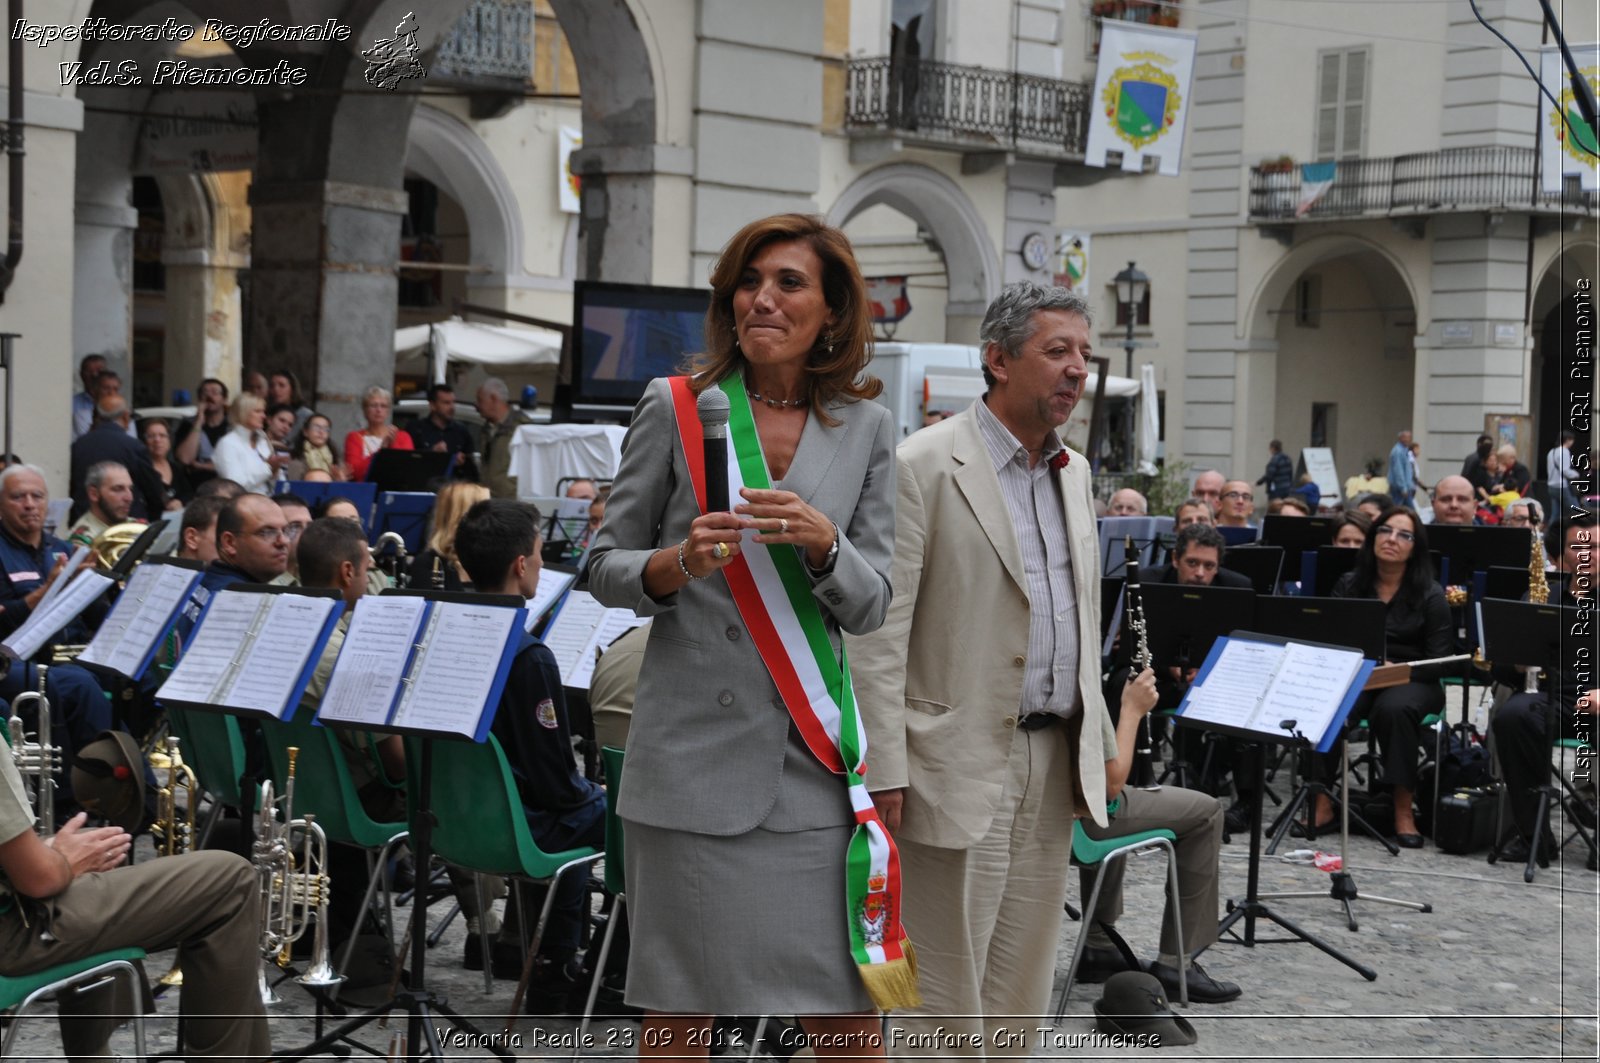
{"type": "Point", "coordinates": [1503, 581]}
{"type": "Point", "coordinates": [1358, 624]}
{"type": "Point", "coordinates": [1531, 634]}
{"type": "Point", "coordinates": [1182, 624]}
{"type": "Point", "coordinates": [1332, 562]}
{"type": "Point", "coordinates": [407, 470]}
{"type": "Point", "coordinates": [1146, 533]}
{"type": "Point", "coordinates": [1236, 536]}
{"type": "Point", "coordinates": [422, 1007]}
{"type": "Point", "coordinates": [1297, 535]}
{"type": "Point", "coordinates": [1262, 564]}
{"type": "Point", "coordinates": [1250, 908]}
{"type": "Point", "coordinates": [1469, 548]}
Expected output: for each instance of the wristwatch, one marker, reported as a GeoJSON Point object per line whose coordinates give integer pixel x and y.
{"type": "Point", "coordinates": [827, 562]}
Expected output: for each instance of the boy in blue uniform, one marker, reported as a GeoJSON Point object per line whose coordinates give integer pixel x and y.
{"type": "Point", "coordinates": [498, 545]}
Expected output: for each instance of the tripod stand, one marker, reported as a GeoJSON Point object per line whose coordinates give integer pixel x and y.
{"type": "Point", "coordinates": [1305, 797]}
{"type": "Point", "coordinates": [1343, 884]}
{"type": "Point", "coordinates": [423, 1009]}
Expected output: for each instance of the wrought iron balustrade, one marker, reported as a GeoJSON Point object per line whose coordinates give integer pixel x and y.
{"type": "Point", "coordinates": [1487, 178]}
{"type": "Point", "coordinates": [966, 106]}
{"type": "Point", "coordinates": [491, 45]}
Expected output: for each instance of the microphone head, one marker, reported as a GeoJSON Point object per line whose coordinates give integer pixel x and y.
{"type": "Point", "coordinates": [712, 407]}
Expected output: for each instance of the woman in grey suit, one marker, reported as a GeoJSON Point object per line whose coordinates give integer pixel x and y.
{"type": "Point", "coordinates": [736, 832]}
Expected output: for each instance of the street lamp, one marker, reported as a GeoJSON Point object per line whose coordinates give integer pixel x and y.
{"type": "Point", "coordinates": [1131, 288]}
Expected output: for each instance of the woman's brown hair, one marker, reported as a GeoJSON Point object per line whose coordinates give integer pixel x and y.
{"type": "Point", "coordinates": [832, 375]}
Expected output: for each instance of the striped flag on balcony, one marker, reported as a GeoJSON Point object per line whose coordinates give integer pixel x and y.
{"type": "Point", "coordinates": [1315, 180]}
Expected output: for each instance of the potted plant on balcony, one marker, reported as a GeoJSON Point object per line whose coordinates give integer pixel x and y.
{"type": "Point", "coordinates": [1282, 164]}
{"type": "Point", "coordinates": [1278, 182]}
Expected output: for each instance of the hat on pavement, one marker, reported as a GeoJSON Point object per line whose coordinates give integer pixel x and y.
{"type": "Point", "coordinates": [108, 780]}
{"type": "Point", "coordinates": [1133, 1003]}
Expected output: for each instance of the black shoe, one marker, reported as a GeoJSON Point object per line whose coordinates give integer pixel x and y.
{"type": "Point", "coordinates": [1298, 829]}
{"type": "Point", "coordinates": [472, 954]}
{"type": "Point", "coordinates": [1516, 850]}
{"type": "Point", "coordinates": [1099, 964]}
{"type": "Point", "coordinates": [1408, 841]}
{"type": "Point", "coordinates": [506, 957]}
{"type": "Point", "coordinates": [553, 987]}
{"type": "Point", "coordinates": [1236, 820]}
{"type": "Point", "coordinates": [1203, 989]}
{"type": "Point", "coordinates": [1582, 812]}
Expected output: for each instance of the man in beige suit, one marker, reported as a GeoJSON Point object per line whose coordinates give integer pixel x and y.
{"type": "Point", "coordinates": [981, 693]}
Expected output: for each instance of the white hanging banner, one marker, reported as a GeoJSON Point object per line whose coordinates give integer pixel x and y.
{"type": "Point", "coordinates": [1141, 96]}
{"type": "Point", "coordinates": [1563, 134]}
{"type": "Point", "coordinates": [571, 140]}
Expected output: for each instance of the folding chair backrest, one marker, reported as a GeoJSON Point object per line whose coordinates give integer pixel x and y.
{"type": "Point", "coordinates": [611, 756]}
{"type": "Point", "coordinates": [322, 782]}
{"type": "Point", "coordinates": [479, 821]}
{"type": "Point", "coordinates": [213, 745]}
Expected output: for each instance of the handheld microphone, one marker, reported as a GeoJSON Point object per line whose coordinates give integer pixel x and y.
{"type": "Point", "coordinates": [712, 409]}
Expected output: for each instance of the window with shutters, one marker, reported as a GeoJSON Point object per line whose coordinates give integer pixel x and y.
{"type": "Point", "coordinates": [1342, 89]}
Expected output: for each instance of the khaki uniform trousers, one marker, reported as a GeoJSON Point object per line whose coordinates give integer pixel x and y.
{"type": "Point", "coordinates": [1196, 819]}
{"type": "Point", "coordinates": [985, 921]}
{"type": "Point", "coordinates": [208, 903]}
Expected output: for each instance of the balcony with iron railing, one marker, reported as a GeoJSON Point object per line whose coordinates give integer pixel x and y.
{"type": "Point", "coordinates": [966, 108]}
{"type": "Point", "coordinates": [488, 53]}
{"type": "Point", "coordinates": [1492, 179]}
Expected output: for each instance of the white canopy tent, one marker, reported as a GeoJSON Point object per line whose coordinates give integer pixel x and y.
{"type": "Point", "coordinates": [430, 348]}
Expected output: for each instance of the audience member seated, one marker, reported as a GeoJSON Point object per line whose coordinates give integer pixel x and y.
{"type": "Point", "coordinates": [283, 389]}
{"type": "Point", "coordinates": [379, 434]}
{"type": "Point", "coordinates": [1126, 502]}
{"type": "Point", "coordinates": [437, 565]}
{"type": "Point", "coordinates": [500, 423]}
{"type": "Point", "coordinates": [245, 454]}
{"type": "Point", "coordinates": [1373, 505]}
{"type": "Point", "coordinates": [1453, 502]}
{"type": "Point", "coordinates": [1393, 566]}
{"type": "Point", "coordinates": [69, 897]}
{"type": "Point", "coordinates": [255, 383]}
{"type": "Point", "coordinates": [110, 492]}
{"type": "Point", "coordinates": [1472, 468]}
{"type": "Point", "coordinates": [440, 432]}
{"type": "Point", "coordinates": [311, 453]}
{"type": "Point", "coordinates": [1522, 725]}
{"type": "Point", "coordinates": [89, 367]}
{"type": "Point", "coordinates": [198, 437]}
{"type": "Point", "coordinates": [109, 440]}
{"type": "Point", "coordinates": [498, 545]}
{"type": "Point", "coordinates": [1373, 482]}
{"type": "Point", "coordinates": [156, 435]}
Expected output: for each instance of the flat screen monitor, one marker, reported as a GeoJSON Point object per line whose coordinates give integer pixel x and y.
{"type": "Point", "coordinates": [624, 335]}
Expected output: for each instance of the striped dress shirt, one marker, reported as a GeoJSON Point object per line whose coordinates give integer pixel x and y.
{"type": "Point", "coordinates": [1033, 501]}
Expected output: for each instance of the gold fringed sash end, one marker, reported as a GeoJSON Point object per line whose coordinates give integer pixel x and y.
{"type": "Point", "coordinates": [893, 984]}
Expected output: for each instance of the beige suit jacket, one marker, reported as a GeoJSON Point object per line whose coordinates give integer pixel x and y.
{"type": "Point", "coordinates": [940, 683]}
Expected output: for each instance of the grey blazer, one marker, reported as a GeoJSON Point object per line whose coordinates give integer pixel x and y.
{"type": "Point", "coordinates": [711, 745]}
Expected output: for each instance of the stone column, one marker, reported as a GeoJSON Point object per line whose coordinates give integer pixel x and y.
{"type": "Point", "coordinates": [102, 279]}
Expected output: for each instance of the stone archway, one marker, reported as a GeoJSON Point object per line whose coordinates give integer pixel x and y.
{"type": "Point", "coordinates": [937, 203]}
{"type": "Point", "coordinates": [444, 150]}
{"type": "Point", "coordinates": [1554, 320]}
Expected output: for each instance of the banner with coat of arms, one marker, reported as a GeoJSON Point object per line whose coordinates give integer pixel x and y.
{"type": "Point", "coordinates": [1567, 144]}
{"type": "Point", "coordinates": [1141, 96]}
{"type": "Point", "coordinates": [568, 187]}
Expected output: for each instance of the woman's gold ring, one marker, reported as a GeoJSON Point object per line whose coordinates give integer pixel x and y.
{"type": "Point", "coordinates": [783, 525]}
{"type": "Point", "coordinates": [719, 550]}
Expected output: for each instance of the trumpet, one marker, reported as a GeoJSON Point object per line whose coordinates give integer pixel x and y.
{"type": "Point", "coordinates": [392, 563]}
{"type": "Point", "coordinates": [171, 836]}
{"type": "Point", "coordinates": [38, 762]}
{"type": "Point", "coordinates": [294, 886]}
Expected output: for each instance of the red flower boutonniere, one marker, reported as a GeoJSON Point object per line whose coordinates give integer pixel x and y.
{"type": "Point", "coordinates": [1060, 460]}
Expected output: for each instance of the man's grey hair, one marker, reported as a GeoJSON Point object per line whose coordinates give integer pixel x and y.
{"type": "Point", "coordinates": [99, 471]}
{"type": "Point", "coordinates": [1009, 320]}
{"type": "Point", "coordinates": [18, 469]}
{"type": "Point", "coordinates": [110, 408]}
{"type": "Point", "coordinates": [496, 387]}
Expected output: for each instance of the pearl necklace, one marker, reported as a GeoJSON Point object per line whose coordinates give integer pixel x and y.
{"type": "Point", "coordinates": [778, 404]}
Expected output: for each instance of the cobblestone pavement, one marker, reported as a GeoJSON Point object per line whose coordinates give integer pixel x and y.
{"type": "Point", "coordinates": [1499, 969]}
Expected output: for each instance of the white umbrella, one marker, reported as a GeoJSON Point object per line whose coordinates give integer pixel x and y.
{"type": "Point", "coordinates": [1149, 419]}
{"type": "Point", "coordinates": [428, 347]}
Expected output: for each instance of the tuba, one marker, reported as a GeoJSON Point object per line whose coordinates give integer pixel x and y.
{"type": "Point", "coordinates": [109, 546]}
{"type": "Point", "coordinates": [294, 886]}
{"type": "Point", "coordinates": [37, 762]}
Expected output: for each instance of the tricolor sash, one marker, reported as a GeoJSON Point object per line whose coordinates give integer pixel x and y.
{"type": "Point", "coordinates": [773, 595]}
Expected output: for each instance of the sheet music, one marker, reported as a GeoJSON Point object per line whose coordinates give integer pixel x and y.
{"type": "Point", "coordinates": [612, 626]}
{"type": "Point", "coordinates": [1234, 687]}
{"type": "Point", "coordinates": [552, 585]}
{"type": "Point", "coordinates": [372, 661]}
{"type": "Point", "coordinates": [215, 648]}
{"type": "Point", "coordinates": [454, 671]}
{"type": "Point", "coordinates": [140, 617]}
{"type": "Point", "coordinates": [79, 556]}
{"type": "Point", "coordinates": [1309, 688]}
{"type": "Point", "coordinates": [44, 623]}
{"type": "Point", "coordinates": [572, 631]}
{"type": "Point", "coordinates": [269, 674]}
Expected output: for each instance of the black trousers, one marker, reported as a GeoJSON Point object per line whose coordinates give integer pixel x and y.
{"type": "Point", "coordinates": [1522, 729]}
{"type": "Point", "coordinates": [1394, 719]}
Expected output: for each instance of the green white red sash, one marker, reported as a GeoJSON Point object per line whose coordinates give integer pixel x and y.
{"type": "Point", "coordinates": [773, 595]}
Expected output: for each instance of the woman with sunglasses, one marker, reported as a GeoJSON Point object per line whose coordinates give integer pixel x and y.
{"type": "Point", "coordinates": [1394, 567]}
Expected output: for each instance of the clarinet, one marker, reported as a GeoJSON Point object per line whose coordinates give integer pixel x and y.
{"type": "Point", "coordinates": [1143, 772]}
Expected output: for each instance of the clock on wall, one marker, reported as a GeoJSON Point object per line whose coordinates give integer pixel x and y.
{"type": "Point", "coordinates": [1035, 251]}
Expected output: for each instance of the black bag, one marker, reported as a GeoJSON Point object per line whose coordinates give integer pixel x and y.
{"type": "Point", "coordinates": [1466, 821]}
{"type": "Point", "coordinates": [1463, 764]}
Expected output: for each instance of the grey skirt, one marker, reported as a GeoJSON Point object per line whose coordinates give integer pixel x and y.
{"type": "Point", "coordinates": [750, 924]}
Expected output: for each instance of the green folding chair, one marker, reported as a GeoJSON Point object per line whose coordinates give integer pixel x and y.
{"type": "Point", "coordinates": [212, 744]}
{"type": "Point", "coordinates": [323, 787]}
{"type": "Point", "coordinates": [1087, 852]}
{"type": "Point", "coordinates": [18, 993]}
{"type": "Point", "coordinates": [479, 823]}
